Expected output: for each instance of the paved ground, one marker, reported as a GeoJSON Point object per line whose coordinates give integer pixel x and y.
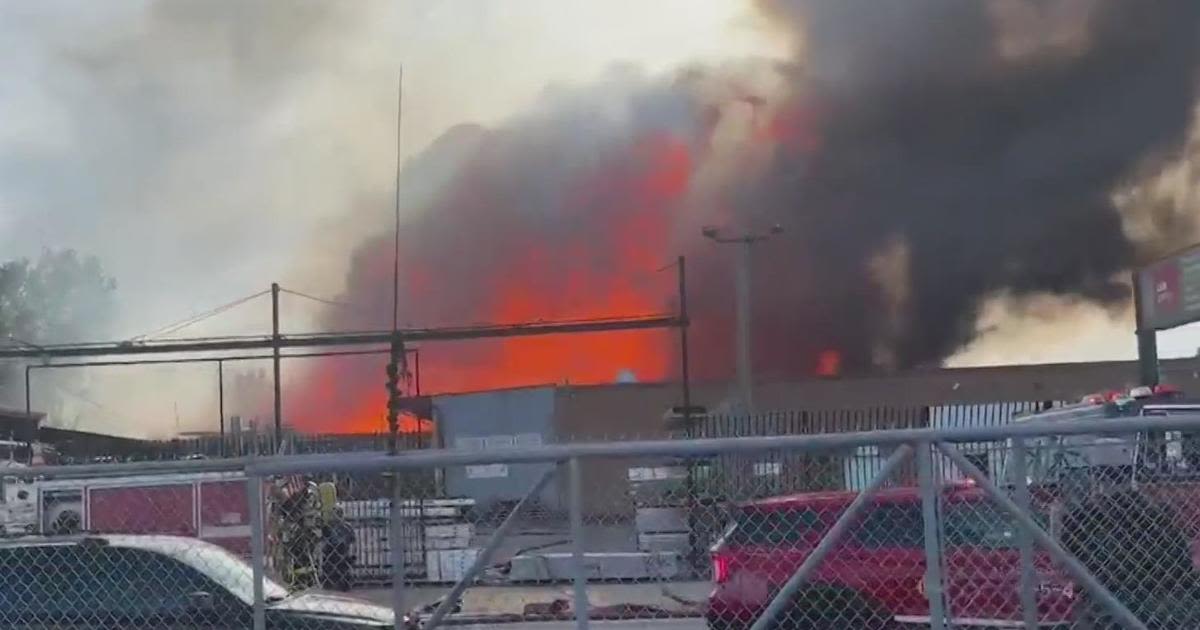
{"type": "Point", "coordinates": [677, 597]}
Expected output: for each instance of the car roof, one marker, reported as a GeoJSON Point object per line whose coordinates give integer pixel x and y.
{"type": "Point", "coordinates": [168, 545]}
{"type": "Point", "coordinates": [841, 498]}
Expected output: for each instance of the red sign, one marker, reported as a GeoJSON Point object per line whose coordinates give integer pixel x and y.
{"type": "Point", "coordinates": [1169, 291]}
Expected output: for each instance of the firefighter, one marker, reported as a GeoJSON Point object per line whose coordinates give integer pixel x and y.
{"type": "Point", "coordinates": [338, 556]}
{"type": "Point", "coordinates": [299, 526]}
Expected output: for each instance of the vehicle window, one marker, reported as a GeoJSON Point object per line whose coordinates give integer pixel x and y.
{"type": "Point", "coordinates": [890, 526]}
{"type": "Point", "coordinates": [978, 524]}
{"type": "Point", "coordinates": [138, 582]}
{"type": "Point", "coordinates": [774, 527]}
{"type": "Point", "coordinates": [982, 524]}
{"type": "Point", "coordinates": [43, 583]}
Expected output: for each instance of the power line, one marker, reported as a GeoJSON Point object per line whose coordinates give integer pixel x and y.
{"type": "Point", "coordinates": [195, 319]}
{"type": "Point", "coordinates": [322, 300]}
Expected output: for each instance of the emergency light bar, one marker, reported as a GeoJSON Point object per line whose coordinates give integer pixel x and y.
{"type": "Point", "coordinates": [1136, 393]}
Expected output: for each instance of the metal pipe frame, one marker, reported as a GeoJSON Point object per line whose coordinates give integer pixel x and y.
{"type": "Point", "coordinates": [555, 453]}
{"type": "Point", "coordinates": [934, 584]}
{"type": "Point", "coordinates": [1079, 572]}
{"type": "Point", "coordinates": [131, 469]}
{"type": "Point", "coordinates": [326, 339]}
{"type": "Point", "coordinates": [831, 538]}
{"type": "Point", "coordinates": [219, 359]}
{"type": "Point", "coordinates": [485, 555]}
{"type": "Point", "coordinates": [715, 446]}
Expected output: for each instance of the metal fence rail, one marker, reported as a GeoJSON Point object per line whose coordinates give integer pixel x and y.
{"type": "Point", "coordinates": [1074, 524]}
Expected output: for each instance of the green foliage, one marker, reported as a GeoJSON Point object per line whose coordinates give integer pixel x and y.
{"type": "Point", "coordinates": [62, 296]}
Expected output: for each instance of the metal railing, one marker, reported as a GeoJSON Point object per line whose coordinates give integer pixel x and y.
{"type": "Point", "coordinates": [1083, 524]}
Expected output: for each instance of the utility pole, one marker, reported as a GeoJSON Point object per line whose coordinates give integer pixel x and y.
{"type": "Point", "coordinates": [744, 366]}
{"type": "Point", "coordinates": [275, 364]}
{"type": "Point", "coordinates": [745, 242]}
{"type": "Point", "coordinates": [28, 392]}
{"type": "Point", "coordinates": [396, 368]}
{"type": "Point", "coordinates": [221, 403]}
{"type": "Point", "coordinates": [683, 346]}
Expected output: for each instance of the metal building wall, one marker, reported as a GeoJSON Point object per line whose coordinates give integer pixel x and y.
{"type": "Point", "coordinates": [496, 420]}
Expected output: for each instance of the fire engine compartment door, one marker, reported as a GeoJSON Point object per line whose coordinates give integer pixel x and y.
{"type": "Point", "coordinates": [225, 514]}
{"type": "Point", "coordinates": [155, 509]}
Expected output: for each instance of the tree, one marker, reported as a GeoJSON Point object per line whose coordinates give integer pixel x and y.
{"type": "Point", "coordinates": [60, 297]}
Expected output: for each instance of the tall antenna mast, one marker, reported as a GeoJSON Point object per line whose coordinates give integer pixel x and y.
{"type": "Point", "coordinates": [396, 370]}
{"type": "Point", "coordinates": [396, 243]}
{"type": "Point", "coordinates": [396, 367]}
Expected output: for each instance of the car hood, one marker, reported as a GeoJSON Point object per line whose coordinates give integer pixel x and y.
{"type": "Point", "coordinates": [334, 607]}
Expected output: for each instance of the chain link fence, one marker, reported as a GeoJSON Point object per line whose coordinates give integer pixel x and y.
{"type": "Point", "coordinates": [1032, 525]}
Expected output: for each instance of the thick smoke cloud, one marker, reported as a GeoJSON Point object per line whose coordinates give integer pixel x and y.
{"type": "Point", "coordinates": [133, 129]}
{"type": "Point", "coordinates": [921, 157]}
{"type": "Point", "coordinates": [193, 147]}
{"type": "Point", "coordinates": [997, 172]}
{"type": "Point", "coordinates": [204, 148]}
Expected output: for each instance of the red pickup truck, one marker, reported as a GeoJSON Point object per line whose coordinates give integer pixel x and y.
{"type": "Point", "coordinates": [874, 578]}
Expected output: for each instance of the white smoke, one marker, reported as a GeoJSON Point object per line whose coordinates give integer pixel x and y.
{"type": "Point", "coordinates": [204, 148]}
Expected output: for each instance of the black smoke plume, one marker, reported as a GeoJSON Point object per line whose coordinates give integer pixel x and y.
{"type": "Point", "coordinates": [923, 155]}
{"type": "Point", "coordinates": [997, 173]}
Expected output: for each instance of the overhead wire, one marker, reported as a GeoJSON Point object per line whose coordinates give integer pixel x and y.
{"type": "Point", "coordinates": [195, 319]}
{"type": "Point", "coordinates": [326, 301]}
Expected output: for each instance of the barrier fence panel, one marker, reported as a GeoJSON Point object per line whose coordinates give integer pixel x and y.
{"type": "Point", "coordinates": [1067, 524]}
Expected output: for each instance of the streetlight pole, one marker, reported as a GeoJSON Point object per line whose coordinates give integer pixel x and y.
{"type": "Point", "coordinates": [744, 369]}
{"type": "Point", "coordinates": [745, 243]}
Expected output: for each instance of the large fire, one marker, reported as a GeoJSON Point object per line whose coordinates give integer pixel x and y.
{"type": "Point", "coordinates": [618, 266]}
{"type": "Point", "coordinates": [904, 129]}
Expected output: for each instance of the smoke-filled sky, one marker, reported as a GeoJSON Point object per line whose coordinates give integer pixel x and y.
{"type": "Point", "coordinates": [960, 181]}
{"type": "Point", "coordinates": [205, 148]}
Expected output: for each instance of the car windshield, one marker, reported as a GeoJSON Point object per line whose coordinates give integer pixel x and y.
{"type": "Point", "coordinates": [227, 570]}
{"type": "Point", "coordinates": [1053, 459]}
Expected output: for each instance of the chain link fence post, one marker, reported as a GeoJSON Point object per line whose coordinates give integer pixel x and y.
{"type": "Point", "coordinates": [934, 584]}
{"type": "Point", "coordinates": [1020, 481]}
{"type": "Point", "coordinates": [258, 534]}
{"type": "Point", "coordinates": [396, 549]}
{"type": "Point", "coordinates": [578, 565]}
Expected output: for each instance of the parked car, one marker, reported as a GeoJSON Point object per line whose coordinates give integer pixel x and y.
{"type": "Point", "coordinates": [154, 582]}
{"type": "Point", "coordinates": [874, 577]}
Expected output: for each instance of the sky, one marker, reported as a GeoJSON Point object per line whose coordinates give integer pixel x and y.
{"type": "Point", "coordinates": [205, 148]}
{"type": "Point", "coordinates": [126, 123]}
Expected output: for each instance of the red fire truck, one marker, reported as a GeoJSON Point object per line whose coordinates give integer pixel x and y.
{"type": "Point", "coordinates": [210, 506]}
{"type": "Point", "coordinates": [1163, 465]}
